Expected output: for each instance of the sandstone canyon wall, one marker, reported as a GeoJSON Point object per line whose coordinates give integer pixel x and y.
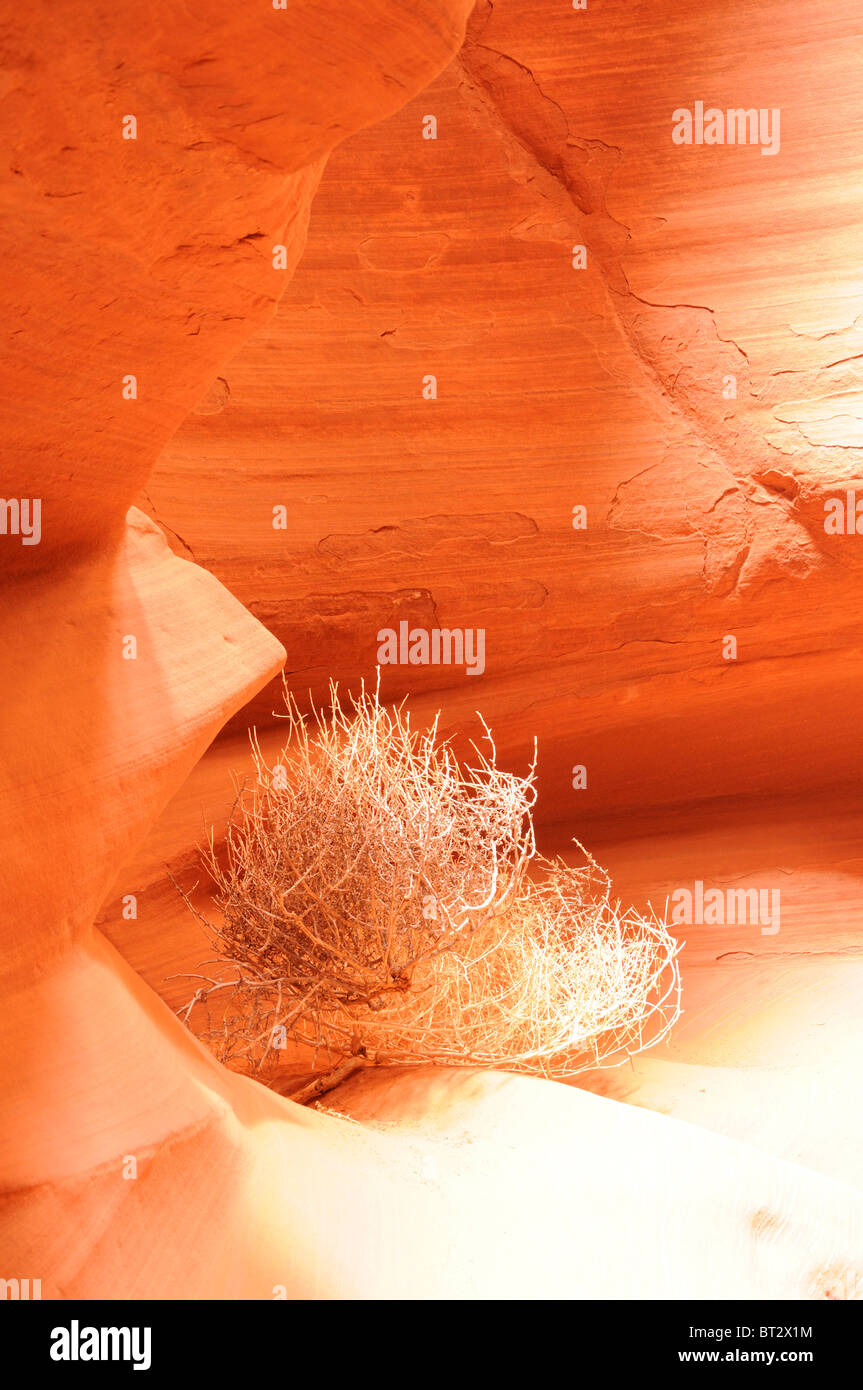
{"type": "Point", "coordinates": [708, 271]}
{"type": "Point", "coordinates": [134, 270]}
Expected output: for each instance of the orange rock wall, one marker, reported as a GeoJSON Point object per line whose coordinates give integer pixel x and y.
{"type": "Point", "coordinates": [147, 257]}
{"type": "Point", "coordinates": [604, 387]}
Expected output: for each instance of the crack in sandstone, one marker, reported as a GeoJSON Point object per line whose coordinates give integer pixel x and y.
{"type": "Point", "coordinates": [528, 125]}
{"type": "Point", "coordinates": [154, 516]}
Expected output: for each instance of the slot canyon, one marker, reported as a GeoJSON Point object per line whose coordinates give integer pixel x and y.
{"type": "Point", "coordinates": [340, 330]}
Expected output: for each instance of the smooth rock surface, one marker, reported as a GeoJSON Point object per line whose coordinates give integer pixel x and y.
{"type": "Point", "coordinates": [558, 388]}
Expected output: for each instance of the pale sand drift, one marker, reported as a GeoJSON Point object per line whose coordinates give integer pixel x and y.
{"type": "Point", "coordinates": [483, 1185]}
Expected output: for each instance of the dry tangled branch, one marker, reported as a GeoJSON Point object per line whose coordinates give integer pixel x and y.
{"type": "Point", "coordinates": [563, 982]}
{"type": "Point", "coordinates": [375, 900]}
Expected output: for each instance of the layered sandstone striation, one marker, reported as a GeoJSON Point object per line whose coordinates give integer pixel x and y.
{"type": "Point", "coordinates": [709, 271]}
